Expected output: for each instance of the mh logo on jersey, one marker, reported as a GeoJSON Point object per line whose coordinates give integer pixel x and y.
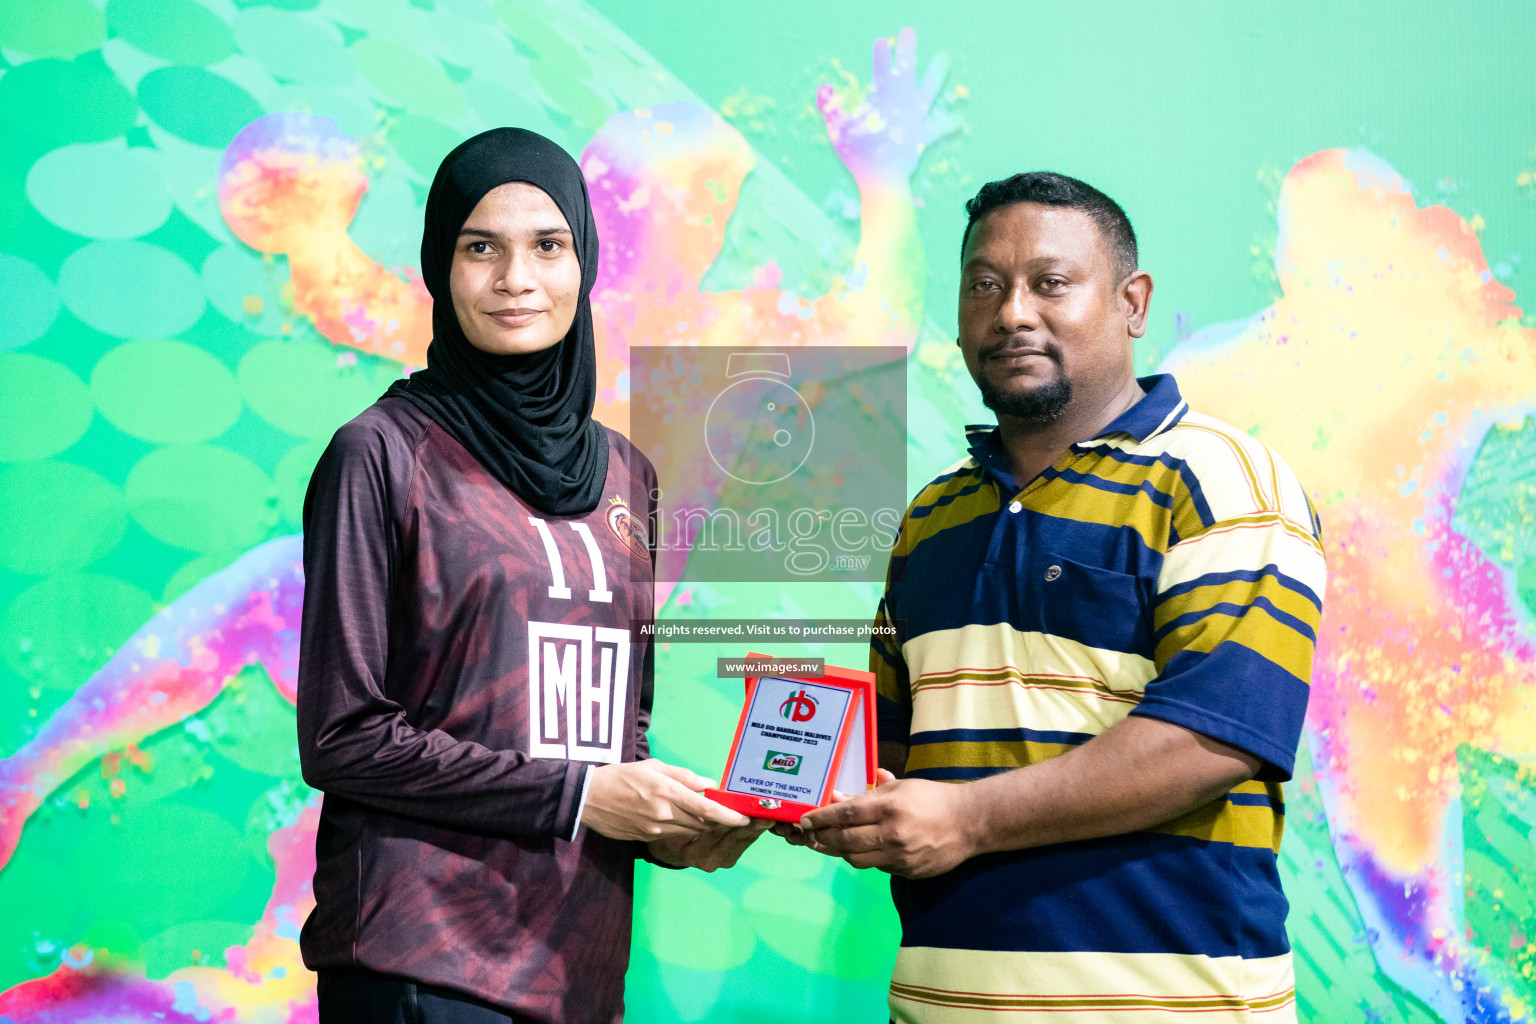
{"type": "Point", "coordinates": [777, 761]}
{"type": "Point", "coordinates": [800, 707]}
{"type": "Point", "coordinates": [578, 682]}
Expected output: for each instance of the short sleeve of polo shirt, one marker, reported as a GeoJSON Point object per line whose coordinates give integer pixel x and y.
{"type": "Point", "coordinates": [1236, 613]}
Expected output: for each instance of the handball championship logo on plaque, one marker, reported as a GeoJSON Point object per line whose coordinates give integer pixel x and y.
{"type": "Point", "coordinates": [800, 707]}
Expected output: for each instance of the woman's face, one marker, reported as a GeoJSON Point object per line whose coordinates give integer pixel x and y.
{"type": "Point", "coordinates": [515, 278]}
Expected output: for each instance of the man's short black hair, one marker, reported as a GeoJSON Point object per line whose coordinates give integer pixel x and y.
{"type": "Point", "coordinates": [1051, 189]}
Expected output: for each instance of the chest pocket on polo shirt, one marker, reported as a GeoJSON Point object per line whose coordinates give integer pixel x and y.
{"type": "Point", "coordinates": [1094, 606]}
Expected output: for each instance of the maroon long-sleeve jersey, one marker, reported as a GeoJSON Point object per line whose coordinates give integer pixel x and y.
{"type": "Point", "coordinates": [465, 659]}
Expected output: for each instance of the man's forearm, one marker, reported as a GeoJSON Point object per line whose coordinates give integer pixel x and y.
{"type": "Point", "coordinates": [1139, 773]}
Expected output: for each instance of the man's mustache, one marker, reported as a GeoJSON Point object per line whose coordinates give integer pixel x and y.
{"type": "Point", "coordinates": [1015, 345]}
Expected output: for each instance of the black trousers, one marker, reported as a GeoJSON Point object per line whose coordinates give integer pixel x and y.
{"type": "Point", "coordinates": [363, 997]}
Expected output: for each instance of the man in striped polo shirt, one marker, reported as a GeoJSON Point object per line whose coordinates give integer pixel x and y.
{"type": "Point", "coordinates": [1105, 620]}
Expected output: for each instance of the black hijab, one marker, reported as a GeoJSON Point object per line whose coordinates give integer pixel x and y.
{"type": "Point", "coordinates": [527, 418]}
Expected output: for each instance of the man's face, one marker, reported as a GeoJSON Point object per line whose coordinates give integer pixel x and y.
{"type": "Point", "coordinates": [1044, 319]}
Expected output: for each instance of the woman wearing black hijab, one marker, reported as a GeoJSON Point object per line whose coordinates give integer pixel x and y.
{"type": "Point", "coordinates": [470, 699]}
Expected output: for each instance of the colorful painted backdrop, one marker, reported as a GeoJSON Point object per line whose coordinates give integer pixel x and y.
{"type": "Point", "coordinates": [209, 217]}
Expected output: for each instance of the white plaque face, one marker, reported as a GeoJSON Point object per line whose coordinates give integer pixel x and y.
{"type": "Point", "coordinates": [788, 741]}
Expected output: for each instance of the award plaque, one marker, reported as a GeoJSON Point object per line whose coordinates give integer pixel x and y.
{"type": "Point", "coordinates": [797, 740]}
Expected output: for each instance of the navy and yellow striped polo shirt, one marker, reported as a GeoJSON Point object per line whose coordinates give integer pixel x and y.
{"type": "Point", "coordinates": [1170, 567]}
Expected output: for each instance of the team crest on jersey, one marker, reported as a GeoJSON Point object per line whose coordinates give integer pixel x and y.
{"type": "Point", "coordinates": [627, 527]}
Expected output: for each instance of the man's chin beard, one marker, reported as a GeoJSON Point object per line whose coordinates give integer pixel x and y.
{"type": "Point", "coordinates": [1037, 406]}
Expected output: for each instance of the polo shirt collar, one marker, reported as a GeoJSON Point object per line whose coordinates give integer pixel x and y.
{"type": "Point", "coordinates": [1161, 408]}
{"type": "Point", "coordinates": [987, 450]}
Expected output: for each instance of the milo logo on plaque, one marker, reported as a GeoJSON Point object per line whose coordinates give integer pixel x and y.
{"type": "Point", "coordinates": [789, 764]}
{"type": "Point", "coordinates": [800, 707]}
